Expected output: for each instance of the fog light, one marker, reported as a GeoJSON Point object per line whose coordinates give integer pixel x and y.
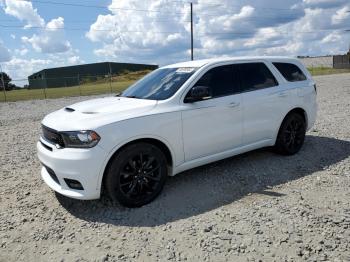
{"type": "Point", "coordinates": [73, 184]}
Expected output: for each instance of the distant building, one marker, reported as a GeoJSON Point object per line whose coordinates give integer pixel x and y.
{"type": "Point", "coordinates": [331, 61]}
{"type": "Point", "coordinates": [341, 61]}
{"type": "Point", "coordinates": [73, 75]}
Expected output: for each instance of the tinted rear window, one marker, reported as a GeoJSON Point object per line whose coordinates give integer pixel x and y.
{"type": "Point", "coordinates": [290, 72]}
{"type": "Point", "coordinates": [255, 76]}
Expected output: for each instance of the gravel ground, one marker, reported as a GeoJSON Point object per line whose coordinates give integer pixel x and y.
{"type": "Point", "coordinates": [255, 207]}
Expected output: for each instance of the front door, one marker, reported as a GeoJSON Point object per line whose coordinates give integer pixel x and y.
{"type": "Point", "coordinates": [214, 125]}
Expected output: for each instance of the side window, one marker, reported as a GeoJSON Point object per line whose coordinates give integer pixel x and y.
{"type": "Point", "coordinates": [290, 72]}
{"type": "Point", "coordinates": [220, 80]}
{"type": "Point", "coordinates": [255, 76]}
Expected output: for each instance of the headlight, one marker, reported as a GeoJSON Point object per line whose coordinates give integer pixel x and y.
{"type": "Point", "coordinates": [80, 139]}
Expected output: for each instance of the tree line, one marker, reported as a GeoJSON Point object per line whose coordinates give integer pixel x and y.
{"type": "Point", "coordinates": [5, 82]}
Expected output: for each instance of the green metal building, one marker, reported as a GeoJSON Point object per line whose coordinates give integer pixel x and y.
{"type": "Point", "coordinates": [73, 75]}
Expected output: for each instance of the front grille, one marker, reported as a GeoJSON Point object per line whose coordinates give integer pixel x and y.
{"type": "Point", "coordinates": [52, 136]}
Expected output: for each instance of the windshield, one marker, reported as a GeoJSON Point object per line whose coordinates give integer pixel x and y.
{"type": "Point", "coordinates": [159, 84]}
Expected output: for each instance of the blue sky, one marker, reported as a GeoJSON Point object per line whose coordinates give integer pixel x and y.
{"type": "Point", "coordinates": [47, 33]}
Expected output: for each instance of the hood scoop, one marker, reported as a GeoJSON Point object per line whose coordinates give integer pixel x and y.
{"type": "Point", "coordinates": [69, 109]}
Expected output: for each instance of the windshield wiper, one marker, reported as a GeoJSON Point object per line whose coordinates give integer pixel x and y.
{"type": "Point", "coordinates": [121, 95]}
{"type": "Point", "coordinates": [131, 97]}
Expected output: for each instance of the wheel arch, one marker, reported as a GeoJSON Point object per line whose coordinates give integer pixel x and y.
{"type": "Point", "coordinates": [298, 110]}
{"type": "Point", "coordinates": [162, 145]}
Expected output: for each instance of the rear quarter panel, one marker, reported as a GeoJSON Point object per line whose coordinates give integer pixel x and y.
{"type": "Point", "coordinates": [303, 94]}
{"type": "Point", "coordinates": [307, 96]}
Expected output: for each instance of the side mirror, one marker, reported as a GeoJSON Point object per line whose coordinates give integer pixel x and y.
{"type": "Point", "coordinates": [198, 93]}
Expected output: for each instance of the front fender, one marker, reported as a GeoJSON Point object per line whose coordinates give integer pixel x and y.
{"type": "Point", "coordinates": [165, 128]}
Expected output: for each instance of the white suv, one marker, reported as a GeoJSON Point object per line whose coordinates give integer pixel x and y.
{"type": "Point", "coordinates": [176, 118]}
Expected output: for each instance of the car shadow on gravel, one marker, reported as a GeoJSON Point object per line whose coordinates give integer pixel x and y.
{"type": "Point", "coordinates": [209, 187]}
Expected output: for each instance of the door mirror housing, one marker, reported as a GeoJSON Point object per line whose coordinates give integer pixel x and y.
{"type": "Point", "coordinates": [198, 93]}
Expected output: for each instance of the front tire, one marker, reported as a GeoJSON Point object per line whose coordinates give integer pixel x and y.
{"type": "Point", "coordinates": [136, 175]}
{"type": "Point", "coordinates": [291, 134]}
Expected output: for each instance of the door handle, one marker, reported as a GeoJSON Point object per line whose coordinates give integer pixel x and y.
{"type": "Point", "coordinates": [234, 104]}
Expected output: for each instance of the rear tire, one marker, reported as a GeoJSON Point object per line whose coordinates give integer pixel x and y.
{"type": "Point", "coordinates": [136, 175]}
{"type": "Point", "coordinates": [291, 135]}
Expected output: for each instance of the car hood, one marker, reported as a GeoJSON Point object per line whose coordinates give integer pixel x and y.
{"type": "Point", "coordinates": [93, 113]}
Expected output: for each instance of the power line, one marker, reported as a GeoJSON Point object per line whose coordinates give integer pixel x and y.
{"type": "Point", "coordinates": [93, 21]}
{"type": "Point", "coordinates": [252, 18]}
{"type": "Point", "coordinates": [221, 14]}
{"type": "Point", "coordinates": [163, 32]}
{"type": "Point", "coordinates": [278, 32]}
{"type": "Point", "coordinates": [256, 18]}
{"type": "Point", "coordinates": [87, 29]}
{"type": "Point", "coordinates": [145, 10]}
{"type": "Point", "coordinates": [154, 10]}
{"type": "Point", "coordinates": [255, 7]}
{"type": "Point", "coordinates": [101, 7]}
{"type": "Point", "coordinates": [158, 10]}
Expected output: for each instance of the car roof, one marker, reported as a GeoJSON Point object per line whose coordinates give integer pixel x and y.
{"type": "Point", "coordinates": [202, 62]}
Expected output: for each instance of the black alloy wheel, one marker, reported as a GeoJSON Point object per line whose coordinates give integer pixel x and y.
{"type": "Point", "coordinates": [137, 175]}
{"type": "Point", "coordinates": [140, 176]}
{"type": "Point", "coordinates": [291, 134]}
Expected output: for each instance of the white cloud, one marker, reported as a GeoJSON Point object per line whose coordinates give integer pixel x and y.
{"type": "Point", "coordinates": [24, 11]}
{"type": "Point", "coordinates": [264, 37]}
{"type": "Point", "coordinates": [74, 60]}
{"type": "Point", "coordinates": [70, 58]}
{"type": "Point", "coordinates": [254, 27]}
{"type": "Point", "coordinates": [13, 36]}
{"type": "Point", "coordinates": [55, 24]}
{"type": "Point", "coordinates": [51, 36]}
{"type": "Point", "coordinates": [4, 53]}
{"type": "Point", "coordinates": [324, 3]}
{"type": "Point", "coordinates": [342, 16]}
{"type": "Point", "coordinates": [333, 37]}
{"type": "Point", "coordinates": [19, 68]}
{"type": "Point", "coordinates": [21, 52]}
{"type": "Point", "coordinates": [123, 34]}
{"type": "Point", "coordinates": [51, 39]}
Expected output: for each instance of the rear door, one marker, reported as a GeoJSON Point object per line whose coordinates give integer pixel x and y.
{"type": "Point", "coordinates": [264, 101]}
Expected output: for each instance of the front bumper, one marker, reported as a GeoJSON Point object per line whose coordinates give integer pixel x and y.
{"type": "Point", "coordinates": [83, 165]}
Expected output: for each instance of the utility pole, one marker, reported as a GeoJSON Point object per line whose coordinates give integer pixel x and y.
{"type": "Point", "coordinates": [348, 31]}
{"type": "Point", "coordinates": [110, 76]}
{"type": "Point", "coordinates": [79, 84]}
{"type": "Point", "coordinates": [191, 31]}
{"type": "Point", "coordinates": [3, 82]}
